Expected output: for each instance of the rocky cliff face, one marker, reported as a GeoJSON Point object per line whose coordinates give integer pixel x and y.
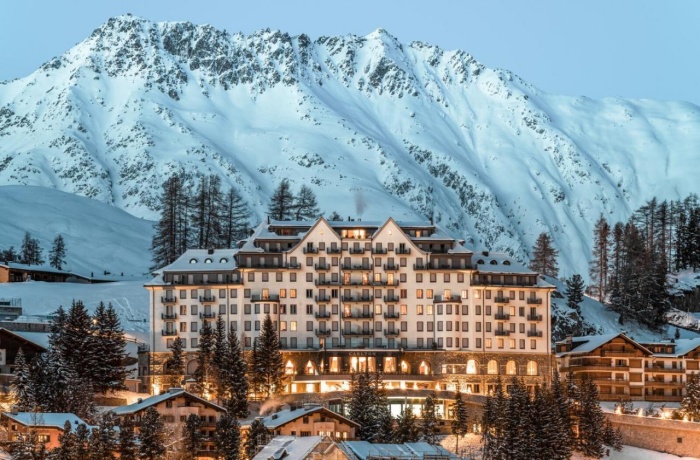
{"type": "Point", "coordinates": [401, 129]}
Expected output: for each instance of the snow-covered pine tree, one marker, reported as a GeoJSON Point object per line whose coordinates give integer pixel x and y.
{"type": "Point", "coordinates": [544, 256]}
{"type": "Point", "coordinates": [406, 427]}
{"type": "Point", "coordinates": [600, 263]}
{"type": "Point", "coordinates": [9, 255]}
{"type": "Point", "coordinates": [359, 406]}
{"type": "Point", "coordinates": [21, 388]}
{"type": "Point", "coordinates": [67, 448]}
{"type": "Point", "coordinates": [305, 204]}
{"type": "Point", "coordinates": [228, 437]}
{"type": "Point", "coordinates": [282, 202]}
{"type": "Point", "coordinates": [335, 217]}
{"type": "Point", "coordinates": [77, 343]}
{"type": "Point", "coordinates": [31, 252]}
{"type": "Point", "coordinates": [176, 364]}
{"type": "Point", "coordinates": [103, 438]}
{"type": "Point", "coordinates": [127, 447]}
{"type": "Point", "coordinates": [57, 254]}
{"type": "Point", "coordinates": [429, 423]}
{"type": "Point", "coordinates": [257, 437]}
{"type": "Point", "coordinates": [218, 359]}
{"type": "Point", "coordinates": [591, 421]}
{"type": "Point", "coordinates": [690, 406]}
{"type": "Point", "coordinates": [612, 437]}
{"type": "Point", "coordinates": [28, 447]}
{"type": "Point", "coordinates": [204, 354]}
{"type": "Point", "coordinates": [382, 413]}
{"type": "Point", "coordinates": [517, 443]}
{"type": "Point", "coordinates": [460, 417]}
{"type": "Point", "coordinates": [235, 218]}
{"type": "Point", "coordinates": [563, 421]}
{"type": "Point", "coordinates": [151, 436]}
{"type": "Point", "coordinates": [82, 438]}
{"type": "Point", "coordinates": [574, 292]}
{"type": "Point", "coordinates": [272, 368]}
{"type": "Point", "coordinates": [236, 380]}
{"type": "Point", "coordinates": [192, 438]}
{"type": "Point", "coordinates": [110, 350]}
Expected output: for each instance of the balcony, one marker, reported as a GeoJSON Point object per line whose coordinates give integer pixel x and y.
{"type": "Point", "coordinates": [501, 332]}
{"type": "Point", "coordinates": [265, 298]}
{"type": "Point", "coordinates": [360, 315]}
{"type": "Point", "coordinates": [365, 268]}
{"type": "Point", "coordinates": [323, 332]}
{"type": "Point", "coordinates": [308, 250]}
{"type": "Point", "coordinates": [322, 267]}
{"type": "Point", "coordinates": [534, 317]}
{"type": "Point", "coordinates": [291, 265]}
{"type": "Point", "coordinates": [444, 299]}
{"type": "Point", "coordinates": [532, 301]}
{"type": "Point", "coordinates": [168, 315]}
{"type": "Point", "coordinates": [502, 316]}
{"type": "Point", "coordinates": [332, 250]}
{"type": "Point", "coordinates": [420, 267]}
{"type": "Point", "coordinates": [664, 370]}
{"type": "Point", "coordinates": [356, 250]}
{"type": "Point", "coordinates": [614, 353]}
{"type": "Point", "coordinates": [391, 332]}
{"type": "Point", "coordinates": [325, 282]}
{"type": "Point", "coordinates": [385, 283]}
{"type": "Point", "coordinates": [391, 267]}
{"type": "Point", "coordinates": [378, 250]}
{"type": "Point", "coordinates": [391, 298]}
{"type": "Point", "coordinates": [322, 314]}
{"type": "Point", "coordinates": [534, 333]}
{"type": "Point", "coordinates": [402, 250]}
{"type": "Point", "coordinates": [169, 333]}
{"type": "Point", "coordinates": [207, 299]}
{"type": "Point", "coordinates": [391, 315]}
{"type": "Point", "coordinates": [501, 300]}
{"type": "Point", "coordinates": [663, 398]}
{"type": "Point", "coordinates": [322, 299]}
{"type": "Point", "coordinates": [359, 333]}
{"type": "Point", "coordinates": [167, 300]}
{"type": "Point", "coordinates": [207, 315]}
{"type": "Point", "coordinates": [359, 298]}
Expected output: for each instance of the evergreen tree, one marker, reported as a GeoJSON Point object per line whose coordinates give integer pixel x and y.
{"type": "Point", "coordinates": [204, 356]}
{"type": "Point", "coordinates": [612, 437]}
{"type": "Point", "coordinates": [406, 427]}
{"type": "Point", "coordinates": [591, 421]}
{"type": "Point", "coordinates": [599, 264]}
{"type": "Point", "coordinates": [271, 364]}
{"type": "Point", "coordinates": [228, 437]}
{"type": "Point", "coordinates": [335, 217]}
{"type": "Point", "coordinates": [518, 441]}
{"type": "Point", "coordinates": [21, 390]}
{"type": "Point", "coordinates": [429, 423]}
{"type": "Point", "coordinates": [494, 421]}
{"type": "Point", "coordinates": [151, 436]}
{"type": "Point", "coordinates": [103, 439]}
{"type": "Point", "coordinates": [305, 204]}
{"type": "Point", "coordinates": [574, 293]}
{"type": "Point", "coordinates": [31, 252]}
{"type": "Point", "coordinates": [68, 444]}
{"type": "Point", "coordinates": [127, 444]}
{"type": "Point", "coordinates": [28, 447]}
{"type": "Point", "coordinates": [109, 349]}
{"type": "Point", "coordinates": [192, 438]}
{"type": "Point", "coordinates": [176, 363]}
{"type": "Point", "coordinates": [381, 412]}
{"type": "Point", "coordinates": [170, 238]}
{"type": "Point", "coordinates": [544, 257]}
{"type": "Point", "coordinates": [282, 202]}
{"type": "Point", "coordinates": [562, 417]}
{"type": "Point", "coordinates": [9, 255]}
{"type": "Point", "coordinates": [235, 219]}
{"type": "Point", "coordinates": [206, 212]}
{"type": "Point", "coordinates": [359, 406]}
{"type": "Point", "coordinates": [82, 438]}
{"type": "Point", "coordinates": [690, 406]}
{"type": "Point", "coordinates": [57, 255]}
{"type": "Point", "coordinates": [460, 418]}
{"type": "Point", "coordinates": [234, 376]}
{"type": "Point", "coordinates": [218, 359]}
{"type": "Point", "coordinates": [257, 437]}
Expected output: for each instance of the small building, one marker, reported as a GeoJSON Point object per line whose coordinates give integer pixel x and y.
{"type": "Point", "coordinates": [310, 420]}
{"type": "Point", "coordinates": [175, 405]}
{"type": "Point", "coordinates": [14, 272]}
{"type": "Point", "coordinates": [363, 450]}
{"type": "Point", "coordinates": [306, 448]}
{"type": "Point", "coordinates": [48, 426]}
{"type": "Point", "coordinates": [31, 343]}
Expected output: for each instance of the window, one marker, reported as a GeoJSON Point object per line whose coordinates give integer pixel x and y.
{"type": "Point", "coordinates": [419, 326]}
{"type": "Point", "coordinates": [487, 343]}
{"type": "Point", "coordinates": [309, 277]}
{"type": "Point", "coordinates": [429, 293]}
{"type": "Point", "coordinates": [193, 294]}
{"type": "Point", "coordinates": [251, 276]}
{"type": "Point", "coordinates": [44, 438]}
{"type": "Point", "coordinates": [433, 277]}
{"type": "Point", "coordinates": [309, 325]}
{"type": "Point", "coordinates": [247, 325]}
{"type": "Point", "coordinates": [403, 309]}
{"type": "Point", "coordinates": [265, 277]}
{"type": "Point", "coordinates": [234, 325]}
{"type": "Point", "coordinates": [183, 327]}
{"type": "Point", "coordinates": [492, 367]}
{"type": "Point", "coordinates": [471, 367]}
{"type": "Point", "coordinates": [278, 277]}
{"type": "Point", "coordinates": [194, 343]}
{"type": "Point", "coordinates": [419, 309]}
{"type": "Point", "coordinates": [309, 309]}
{"type": "Point", "coordinates": [183, 309]}
{"type": "Point", "coordinates": [193, 326]}
{"type": "Point", "coordinates": [430, 326]}
{"type": "Point", "coordinates": [292, 326]}
{"type": "Point", "coordinates": [293, 309]}
{"type": "Point", "coordinates": [511, 368]}
{"type": "Point", "coordinates": [465, 326]}
{"type": "Point", "coordinates": [531, 368]}
{"type": "Point", "coordinates": [293, 293]}
{"type": "Point", "coordinates": [428, 309]}
{"type": "Point", "coordinates": [446, 278]}
{"type": "Point", "coordinates": [419, 277]}
{"type": "Point", "coordinates": [419, 293]}
{"type": "Point", "coordinates": [257, 325]}
{"type": "Point", "coordinates": [533, 344]}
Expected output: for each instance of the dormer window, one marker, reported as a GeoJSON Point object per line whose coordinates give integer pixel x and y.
{"type": "Point", "coordinates": [506, 262]}
{"type": "Point", "coordinates": [480, 262]}
{"type": "Point", "coordinates": [223, 260]}
{"type": "Point", "coordinates": [193, 261]}
{"type": "Point", "coordinates": [207, 260]}
{"type": "Point", "coordinates": [493, 262]}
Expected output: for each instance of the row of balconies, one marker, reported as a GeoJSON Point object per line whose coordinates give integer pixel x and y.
{"type": "Point", "coordinates": [358, 333]}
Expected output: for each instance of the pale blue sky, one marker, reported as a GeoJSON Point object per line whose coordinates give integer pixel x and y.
{"type": "Point", "coordinates": [630, 48]}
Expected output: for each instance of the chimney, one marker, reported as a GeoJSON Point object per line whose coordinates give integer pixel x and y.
{"type": "Point", "coordinates": [485, 253]}
{"type": "Point", "coordinates": [210, 251]}
{"type": "Point", "coordinates": [268, 219]}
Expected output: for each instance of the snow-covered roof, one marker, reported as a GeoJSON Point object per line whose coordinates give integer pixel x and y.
{"type": "Point", "coordinates": [586, 344]}
{"type": "Point", "coordinates": [40, 339]}
{"type": "Point", "coordinates": [500, 263]}
{"type": "Point", "coordinates": [36, 268]}
{"type": "Point", "coordinates": [289, 448]}
{"type": "Point", "coordinates": [56, 420]}
{"type": "Point", "coordinates": [157, 399]}
{"type": "Point", "coordinates": [285, 416]}
{"type": "Point", "coordinates": [203, 260]}
{"type": "Point", "coordinates": [682, 347]}
{"type": "Point", "coordinates": [363, 450]}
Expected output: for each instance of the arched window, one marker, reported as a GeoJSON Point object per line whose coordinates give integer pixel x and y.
{"type": "Point", "coordinates": [492, 367]}
{"type": "Point", "coordinates": [310, 368]}
{"type": "Point", "coordinates": [471, 367]}
{"type": "Point", "coordinates": [207, 260]}
{"type": "Point", "coordinates": [405, 367]}
{"type": "Point", "coordinates": [223, 260]}
{"type": "Point", "coordinates": [289, 368]}
{"type": "Point", "coordinates": [531, 368]}
{"type": "Point", "coordinates": [192, 367]}
{"type": "Point", "coordinates": [511, 368]}
{"type": "Point", "coordinates": [424, 368]}
{"type": "Point", "coordinates": [506, 262]}
{"type": "Point", "coordinates": [493, 262]}
{"type": "Point", "coordinates": [193, 261]}
{"type": "Point", "coordinates": [480, 262]}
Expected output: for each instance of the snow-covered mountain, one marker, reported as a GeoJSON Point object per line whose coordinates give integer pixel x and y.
{"type": "Point", "coordinates": [373, 125]}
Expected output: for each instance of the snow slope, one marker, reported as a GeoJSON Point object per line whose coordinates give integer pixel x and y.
{"type": "Point", "coordinates": [98, 237]}
{"type": "Point", "coordinates": [410, 127]}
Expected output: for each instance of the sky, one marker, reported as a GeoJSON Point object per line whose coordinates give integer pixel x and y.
{"type": "Point", "coordinates": [596, 48]}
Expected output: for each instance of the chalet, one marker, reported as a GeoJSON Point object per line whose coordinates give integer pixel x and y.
{"type": "Point", "coordinates": [363, 450]}
{"type": "Point", "coordinates": [31, 343]}
{"type": "Point", "coordinates": [306, 448]}
{"type": "Point", "coordinates": [310, 420]}
{"type": "Point", "coordinates": [48, 426]}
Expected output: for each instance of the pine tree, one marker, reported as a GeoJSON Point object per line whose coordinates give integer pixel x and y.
{"type": "Point", "coordinates": [359, 406]}
{"type": "Point", "coordinates": [192, 437]}
{"type": "Point", "coordinates": [218, 359]}
{"type": "Point", "coordinates": [57, 255]}
{"type": "Point", "coordinates": [103, 439]}
{"type": "Point", "coordinates": [460, 420]}
{"type": "Point", "coordinates": [236, 382]}
{"type": "Point", "coordinates": [305, 204]}
{"type": "Point", "coordinates": [494, 422]}
{"type": "Point", "coordinates": [82, 438]}
{"type": "Point", "coordinates": [228, 437]}
{"type": "Point", "coordinates": [28, 447]}
{"type": "Point", "coordinates": [9, 255]}
{"type": "Point", "coordinates": [335, 217]}
{"type": "Point", "coordinates": [207, 211]}
{"type": "Point", "coordinates": [235, 219]}
{"type": "Point", "coordinates": [381, 412]}
{"type": "Point", "coordinates": [544, 257]}
{"type": "Point", "coordinates": [429, 422]}
{"type": "Point", "coordinates": [562, 415]}
{"type": "Point", "coordinates": [272, 364]}
{"type": "Point", "coordinates": [282, 202]}
{"type": "Point", "coordinates": [612, 437]}
{"type": "Point", "coordinates": [21, 388]}
{"type": "Point", "coordinates": [31, 252]}
{"type": "Point", "coordinates": [170, 238]}
{"type": "Point", "coordinates": [68, 444]}
{"type": "Point", "coordinates": [690, 406]}
{"type": "Point", "coordinates": [406, 427]}
{"type": "Point", "coordinates": [151, 435]}
{"type": "Point", "coordinates": [176, 363]}
{"type": "Point", "coordinates": [127, 444]}
{"type": "Point", "coordinates": [591, 421]}
{"type": "Point", "coordinates": [517, 441]}
{"type": "Point", "coordinates": [110, 350]}
{"type": "Point", "coordinates": [204, 356]}
{"type": "Point", "coordinates": [599, 264]}
{"type": "Point", "coordinates": [257, 437]}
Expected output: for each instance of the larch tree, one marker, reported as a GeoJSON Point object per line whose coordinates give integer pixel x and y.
{"type": "Point", "coordinates": [57, 254]}
{"type": "Point", "coordinates": [282, 202]}
{"type": "Point", "coordinates": [235, 218]}
{"type": "Point", "coordinates": [218, 359]}
{"type": "Point", "coordinates": [110, 350]}
{"type": "Point", "coordinates": [171, 232]}
{"type": "Point", "coordinates": [599, 265]}
{"type": "Point", "coordinates": [127, 447]}
{"type": "Point", "coordinates": [31, 252]}
{"type": "Point", "coordinates": [544, 256]}
{"type": "Point", "coordinates": [235, 377]}
{"type": "Point", "coordinates": [176, 363]}
{"type": "Point", "coordinates": [305, 204]}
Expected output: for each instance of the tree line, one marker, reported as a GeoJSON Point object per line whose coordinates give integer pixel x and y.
{"type": "Point", "coordinates": [31, 252]}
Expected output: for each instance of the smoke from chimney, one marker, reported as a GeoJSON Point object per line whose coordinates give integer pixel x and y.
{"type": "Point", "coordinates": [360, 203]}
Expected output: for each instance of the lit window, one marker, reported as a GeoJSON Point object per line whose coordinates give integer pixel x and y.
{"type": "Point", "coordinates": [511, 368]}
{"type": "Point", "coordinates": [471, 367]}
{"type": "Point", "coordinates": [531, 368]}
{"type": "Point", "coordinates": [492, 367]}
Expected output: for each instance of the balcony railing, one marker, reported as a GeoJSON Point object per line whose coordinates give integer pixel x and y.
{"type": "Point", "coordinates": [501, 300]}
{"type": "Point", "coordinates": [168, 315]}
{"type": "Point", "coordinates": [333, 250]}
{"type": "Point", "coordinates": [310, 250]}
{"type": "Point", "coordinates": [322, 298]}
{"type": "Point", "coordinates": [420, 267]}
{"type": "Point", "coordinates": [361, 315]}
{"type": "Point", "coordinates": [323, 332]}
{"type": "Point", "coordinates": [391, 315]}
{"type": "Point", "coordinates": [322, 314]}
{"type": "Point", "coordinates": [391, 332]}
{"type": "Point", "coordinates": [391, 298]}
{"type": "Point", "coordinates": [534, 317]}
{"type": "Point", "coordinates": [208, 314]}
{"type": "Point", "coordinates": [207, 299]}
{"type": "Point", "coordinates": [360, 333]}
{"type": "Point", "coordinates": [500, 332]}
{"type": "Point", "coordinates": [291, 265]}
{"type": "Point", "coordinates": [444, 299]}
{"type": "Point", "coordinates": [390, 267]}
{"type": "Point", "coordinates": [402, 250]}
{"type": "Point", "coordinates": [534, 333]}
{"type": "Point", "coordinates": [359, 298]}
{"type": "Point", "coordinates": [265, 298]}
{"type": "Point", "coordinates": [356, 250]}
{"type": "Point", "coordinates": [357, 267]}
{"type": "Point", "coordinates": [385, 283]}
{"type": "Point", "coordinates": [322, 266]}
{"type": "Point", "coordinates": [502, 316]}
{"type": "Point", "coordinates": [168, 299]}
{"type": "Point", "coordinates": [325, 282]}
{"type": "Point", "coordinates": [532, 301]}
{"type": "Point", "coordinates": [169, 333]}
{"type": "Point", "coordinates": [378, 250]}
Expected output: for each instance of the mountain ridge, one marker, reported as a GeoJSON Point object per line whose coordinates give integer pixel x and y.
{"type": "Point", "coordinates": [414, 129]}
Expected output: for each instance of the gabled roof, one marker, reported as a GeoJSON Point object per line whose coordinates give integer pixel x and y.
{"type": "Point", "coordinates": [36, 419]}
{"type": "Point", "coordinates": [34, 268]}
{"type": "Point", "coordinates": [289, 448]}
{"type": "Point", "coordinates": [38, 339]}
{"type": "Point", "coordinates": [586, 344]}
{"type": "Point", "coordinates": [203, 260]}
{"type": "Point", "coordinates": [157, 399]}
{"type": "Point", "coordinates": [681, 347]}
{"type": "Point", "coordinates": [283, 417]}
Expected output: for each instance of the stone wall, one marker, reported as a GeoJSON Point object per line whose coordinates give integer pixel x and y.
{"type": "Point", "coordinates": [671, 436]}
